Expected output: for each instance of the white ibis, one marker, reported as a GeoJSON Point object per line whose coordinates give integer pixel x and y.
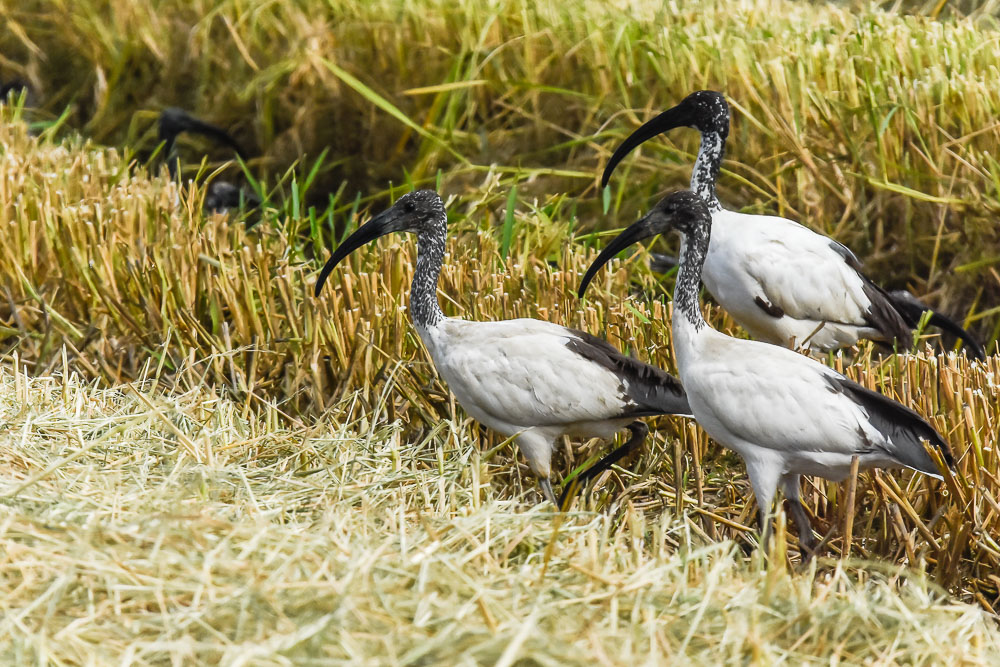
{"type": "Point", "coordinates": [523, 377]}
{"type": "Point", "coordinates": [781, 281]}
{"type": "Point", "coordinates": [785, 414]}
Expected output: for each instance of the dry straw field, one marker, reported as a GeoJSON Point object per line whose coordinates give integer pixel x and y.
{"type": "Point", "coordinates": [202, 463]}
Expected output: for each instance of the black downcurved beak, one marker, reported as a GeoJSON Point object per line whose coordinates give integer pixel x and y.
{"type": "Point", "coordinates": [633, 234]}
{"type": "Point", "coordinates": [216, 133]}
{"type": "Point", "coordinates": [973, 346]}
{"type": "Point", "coordinates": [668, 120]}
{"type": "Point", "coordinates": [173, 121]}
{"type": "Point", "coordinates": [378, 226]}
{"type": "Point", "coordinates": [912, 309]}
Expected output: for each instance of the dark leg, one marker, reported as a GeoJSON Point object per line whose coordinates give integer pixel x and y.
{"type": "Point", "coordinates": [547, 491]}
{"type": "Point", "coordinates": [537, 449]}
{"type": "Point", "coordinates": [790, 484]}
{"type": "Point", "coordinates": [746, 543]}
{"type": "Point", "coordinates": [764, 528]}
{"type": "Point", "coordinates": [639, 431]}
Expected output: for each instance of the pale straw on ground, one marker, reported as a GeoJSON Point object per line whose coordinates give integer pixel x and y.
{"type": "Point", "coordinates": [140, 529]}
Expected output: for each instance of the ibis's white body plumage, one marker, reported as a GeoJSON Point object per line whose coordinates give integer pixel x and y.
{"type": "Point", "coordinates": [775, 408]}
{"type": "Point", "coordinates": [520, 377]}
{"type": "Point", "coordinates": [785, 283]}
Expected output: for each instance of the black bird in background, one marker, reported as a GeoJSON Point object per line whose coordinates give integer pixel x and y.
{"type": "Point", "coordinates": [221, 196]}
{"type": "Point", "coordinates": [15, 88]}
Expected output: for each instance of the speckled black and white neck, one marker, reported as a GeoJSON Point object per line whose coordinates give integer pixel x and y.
{"type": "Point", "coordinates": [694, 248]}
{"type": "Point", "coordinates": [706, 168]}
{"type": "Point", "coordinates": [424, 307]}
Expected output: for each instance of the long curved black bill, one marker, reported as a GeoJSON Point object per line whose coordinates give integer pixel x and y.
{"type": "Point", "coordinates": [975, 348]}
{"type": "Point", "coordinates": [660, 263]}
{"type": "Point", "coordinates": [667, 120]}
{"type": "Point", "coordinates": [376, 227]}
{"type": "Point", "coordinates": [637, 438]}
{"type": "Point", "coordinates": [632, 234]}
{"type": "Point", "coordinates": [216, 133]}
{"type": "Point", "coordinates": [913, 309]}
{"type": "Point", "coordinates": [173, 121]}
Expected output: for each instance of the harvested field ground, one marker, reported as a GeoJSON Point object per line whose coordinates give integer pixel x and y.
{"type": "Point", "coordinates": [151, 530]}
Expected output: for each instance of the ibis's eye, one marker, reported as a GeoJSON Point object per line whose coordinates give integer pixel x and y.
{"type": "Point", "coordinates": [408, 207]}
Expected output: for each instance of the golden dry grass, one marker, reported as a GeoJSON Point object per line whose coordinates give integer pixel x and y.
{"type": "Point", "coordinates": [142, 529]}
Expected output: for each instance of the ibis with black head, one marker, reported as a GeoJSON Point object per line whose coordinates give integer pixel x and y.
{"type": "Point", "coordinates": [781, 281]}
{"type": "Point", "coordinates": [527, 378]}
{"type": "Point", "coordinates": [221, 196]}
{"type": "Point", "coordinates": [784, 413]}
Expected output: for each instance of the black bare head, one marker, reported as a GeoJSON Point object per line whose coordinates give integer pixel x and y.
{"type": "Point", "coordinates": [13, 89]}
{"type": "Point", "coordinates": [682, 210]}
{"type": "Point", "coordinates": [416, 212]}
{"type": "Point", "coordinates": [703, 110]}
{"type": "Point", "coordinates": [222, 196]}
{"type": "Point", "coordinates": [173, 121]}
